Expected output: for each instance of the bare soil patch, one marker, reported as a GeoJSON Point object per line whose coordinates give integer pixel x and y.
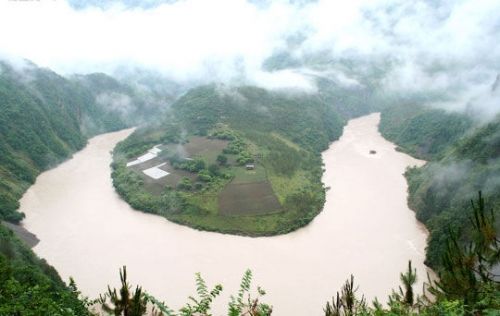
{"type": "Point", "coordinates": [156, 186]}
{"type": "Point", "coordinates": [255, 198]}
{"type": "Point", "coordinates": [201, 146]}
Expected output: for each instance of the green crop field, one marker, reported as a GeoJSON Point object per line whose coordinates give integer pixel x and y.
{"type": "Point", "coordinates": [242, 175]}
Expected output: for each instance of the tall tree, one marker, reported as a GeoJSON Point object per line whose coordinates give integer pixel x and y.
{"type": "Point", "coordinates": [124, 303]}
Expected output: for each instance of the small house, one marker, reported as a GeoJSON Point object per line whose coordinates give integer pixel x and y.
{"type": "Point", "coordinates": [250, 166]}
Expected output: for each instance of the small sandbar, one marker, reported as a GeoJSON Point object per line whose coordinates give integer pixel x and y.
{"type": "Point", "coordinates": [22, 233]}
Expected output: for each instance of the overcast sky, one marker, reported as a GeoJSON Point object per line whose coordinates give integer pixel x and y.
{"type": "Point", "coordinates": [435, 44]}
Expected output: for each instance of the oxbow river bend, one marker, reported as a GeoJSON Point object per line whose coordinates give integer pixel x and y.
{"type": "Point", "coordinates": [88, 232]}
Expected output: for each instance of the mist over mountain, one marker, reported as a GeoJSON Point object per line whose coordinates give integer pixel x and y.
{"type": "Point", "coordinates": [448, 49]}
{"type": "Point", "coordinates": [235, 105]}
{"type": "Point", "coordinates": [45, 118]}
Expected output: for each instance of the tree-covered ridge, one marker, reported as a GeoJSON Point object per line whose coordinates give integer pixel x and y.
{"type": "Point", "coordinates": [465, 161]}
{"type": "Point", "coordinates": [281, 134]}
{"type": "Point", "coordinates": [423, 132]}
{"type": "Point", "coordinates": [44, 118]}
{"type": "Point", "coordinates": [304, 119]}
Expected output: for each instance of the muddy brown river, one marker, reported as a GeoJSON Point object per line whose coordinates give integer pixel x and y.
{"type": "Point", "coordinates": [88, 232]}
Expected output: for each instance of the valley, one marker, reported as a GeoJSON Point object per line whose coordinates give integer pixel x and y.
{"type": "Point", "coordinates": [249, 158]}
{"type": "Point", "coordinates": [161, 255]}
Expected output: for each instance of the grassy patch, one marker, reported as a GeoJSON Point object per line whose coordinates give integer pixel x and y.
{"type": "Point", "coordinates": [286, 141]}
{"type": "Point", "coordinates": [242, 175]}
{"type": "Point", "coordinates": [283, 185]}
{"type": "Point", "coordinates": [206, 201]}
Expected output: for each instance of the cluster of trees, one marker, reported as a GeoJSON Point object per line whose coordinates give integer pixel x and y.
{"type": "Point", "coordinates": [29, 286]}
{"type": "Point", "coordinates": [464, 157]}
{"type": "Point", "coordinates": [131, 187]}
{"type": "Point", "coordinates": [423, 132]}
{"type": "Point", "coordinates": [192, 165]}
{"type": "Point", "coordinates": [205, 174]}
{"type": "Point", "coordinates": [126, 302]}
{"type": "Point", "coordinates": [185, 184]}
{"type": "Point", "coordinates": [223, 132]}
{"type": "Point", "coordinates": [237, 145]}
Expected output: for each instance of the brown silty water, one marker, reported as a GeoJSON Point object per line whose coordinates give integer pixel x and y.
{"type": "Point", "coordinates": [366, 229]}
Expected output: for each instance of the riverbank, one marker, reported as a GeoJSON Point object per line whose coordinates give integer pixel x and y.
{"type": "Point", "coordinates": [365, 229]}
{"type": "Point", "coordinates": [22, 233]}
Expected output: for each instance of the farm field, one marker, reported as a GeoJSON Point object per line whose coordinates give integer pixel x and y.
{"type": "Point", "coordinates": [241, 175]}
{"type": "Point", "coordinates": [203, 147]}
{"type": "Point", "coordinates": [197, 146]}
{"type": "Point", "coordinates": [236, 163]}
{"type": "Point", "coordinates": [157, 186]}
{"type": "Point", "coordinates": [248, 192]}
{"type": "Point", "coordinates": [253, 198]}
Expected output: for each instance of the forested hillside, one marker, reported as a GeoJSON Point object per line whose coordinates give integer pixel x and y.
{"type": "Point", "coordinates": [302, 118]}
{"type": "Point", "coordinates": [422, 132]}
{"type": "Point", "coordinates": [464, 158]}
{"type": "Point", "coordinates": [351, 87]}
{"type": "Point", "coordinates": [29, 286]}
{"type": "Point", "coordinates": [279, 136]}
{"type": "Point", "coordinates": [45, 117]}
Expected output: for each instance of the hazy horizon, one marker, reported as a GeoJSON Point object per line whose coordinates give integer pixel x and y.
{"type": "Point", "coordinates": [447, 48]}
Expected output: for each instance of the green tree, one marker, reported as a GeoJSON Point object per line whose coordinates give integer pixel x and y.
{"type": "Point", "coordinates": [222, 159]}
{"type": "Point", "coordinates": [214, 170]}
{"type": "Point", "coordinates": [467, 273]}
{"type": "Point", "coordinates": [409, 279]}
{"type": "Point", "coordinates": [125, 302]}
{"type": "Point", "coordinates": [244, 304]}
{"type": "Point", "coordinates": [346, 303]}
{"type": "Point", "coordinates": [185, 184]}
{"type": "Point", "coordinates": [204, 175]}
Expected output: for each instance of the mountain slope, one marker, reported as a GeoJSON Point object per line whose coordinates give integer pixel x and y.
{"type": "Point", "coordinates": [44, 118]}
{"type": "Point", "coordinates": [29, 286]}
{"type": "Point", "coordinates": [423, 132]}
{"type": "Point", "coordinates": [464, 158]}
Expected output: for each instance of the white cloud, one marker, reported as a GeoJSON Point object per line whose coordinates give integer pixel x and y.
{"type": "Point", "coordinates": [117, 102]}
{"type": "Point", "coordinates": [188, 39]}
{"type": "Point", "coordinates": [444, 45]}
